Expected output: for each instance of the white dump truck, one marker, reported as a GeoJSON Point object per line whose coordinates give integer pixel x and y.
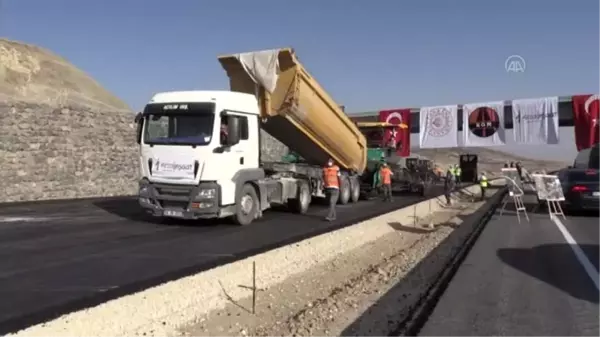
{"type": "Point", "coordinates": [200, 150]}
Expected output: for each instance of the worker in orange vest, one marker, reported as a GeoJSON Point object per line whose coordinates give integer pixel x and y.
{"type": "Point", "coordinates": [385, 174]}
{"type": "Point", "coordinates": [331, 182]}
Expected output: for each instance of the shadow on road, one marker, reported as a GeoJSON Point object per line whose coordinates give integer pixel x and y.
{"type": "Point", "coordinates": [527, 260]}
{"type": "Point", "coordinates": [129, 208]}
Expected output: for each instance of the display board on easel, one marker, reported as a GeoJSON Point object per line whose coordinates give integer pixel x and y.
{"type": "Point", "coordinates": [515, 192]}
{"type": "Point", "coordinates": [549, 188]}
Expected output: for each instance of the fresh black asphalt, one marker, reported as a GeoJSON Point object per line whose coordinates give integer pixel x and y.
{"type": "Point", "coordinates": [58, 257]}
{"type": "Point", "coordinates": [523, 279]}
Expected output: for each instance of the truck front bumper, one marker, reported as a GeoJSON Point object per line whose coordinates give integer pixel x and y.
{"type": "Point", "coordinates": [180, 201]}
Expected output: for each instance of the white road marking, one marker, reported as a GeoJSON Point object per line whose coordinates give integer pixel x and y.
{"type": "Point", "coordinates": [21, 219]}
{"type": "Point", "coordinates": [583, 260]}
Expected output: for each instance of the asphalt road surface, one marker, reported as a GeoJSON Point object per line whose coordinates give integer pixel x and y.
{"type": "Point", "coordinates": [534, 278]}
{"type": "Point", "coordinates": [57, 257]}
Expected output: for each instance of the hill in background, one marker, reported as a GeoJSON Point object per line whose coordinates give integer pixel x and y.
{"type": "Point", "coordinates": [32, 74]}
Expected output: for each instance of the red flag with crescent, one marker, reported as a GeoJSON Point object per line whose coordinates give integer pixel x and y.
{"type": "Point", "coordinates": [399, 136]}
{"type": "Point", "coordinates": [586, 109]}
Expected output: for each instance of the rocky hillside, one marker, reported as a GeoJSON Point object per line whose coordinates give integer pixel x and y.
{"type": "Point", "coordinates": [61, 134]}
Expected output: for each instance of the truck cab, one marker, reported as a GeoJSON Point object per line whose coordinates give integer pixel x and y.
{"type": "Point", "coordinates": [197, 150]}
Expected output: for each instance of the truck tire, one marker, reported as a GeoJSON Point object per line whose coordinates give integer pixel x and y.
{"type": "Point", "coordinates": [303, 198]}
{"type": "Point", "coordinates": [246, 206]}
{"type": "Point", "coordinates": [344, 190]}
{"type": "Point", "coordinates": [355, 189]}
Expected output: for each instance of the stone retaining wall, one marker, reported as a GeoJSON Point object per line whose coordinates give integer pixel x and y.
{"type": "Point", "coordinates": [62, 153]}
{"type": "Point", "coordinates": [73, 152]}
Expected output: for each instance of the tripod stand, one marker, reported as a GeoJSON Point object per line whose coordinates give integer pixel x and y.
{"type": "Point", "coordinates": [519, 205]}
{"type": "Point", "coordinates": [554, 208]}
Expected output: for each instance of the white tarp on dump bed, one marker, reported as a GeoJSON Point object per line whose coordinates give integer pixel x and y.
{"type": "Point", "coordinates": [262, 66]}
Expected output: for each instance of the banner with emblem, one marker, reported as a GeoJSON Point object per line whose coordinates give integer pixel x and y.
{"type": "Point", "coordinates": [399, 136]}
{"type": "Point", "coordinates": [586, 109]}
{"type": "Point", "coordinates": [535, 120]}
{"type": "Point", "coordinates": [438, 126]}
{"type": "Point", "coordinates": [483, 124]}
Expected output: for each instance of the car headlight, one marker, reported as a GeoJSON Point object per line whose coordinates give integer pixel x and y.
{"type": "Point", "coordinates": [206, 193]}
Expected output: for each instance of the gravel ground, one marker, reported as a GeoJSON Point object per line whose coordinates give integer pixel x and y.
{"type": "Point", "coordinates": [366, 291]}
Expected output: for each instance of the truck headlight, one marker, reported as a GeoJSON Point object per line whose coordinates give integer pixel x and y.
{"type": "Point", "coordinates": [207, 193]}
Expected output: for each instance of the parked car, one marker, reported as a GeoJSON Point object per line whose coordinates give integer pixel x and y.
{"type": "Point", "coordinates": [580, 188]}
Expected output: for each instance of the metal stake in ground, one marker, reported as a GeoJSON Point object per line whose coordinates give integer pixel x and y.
{"type": "Point", "coordinates": [253, 287]}
{"type": "Point", "coordinates": [430, 216]}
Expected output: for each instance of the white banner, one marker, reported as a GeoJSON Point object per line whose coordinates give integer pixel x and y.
{"type": "Point", "coordinates": [166, 168]}
{"type": "Point", "coordinates": [483, 124]}
{"type": "Point", "coordinates": [438, 126]}
{"type": "Point", "coordinates": [535, 121]}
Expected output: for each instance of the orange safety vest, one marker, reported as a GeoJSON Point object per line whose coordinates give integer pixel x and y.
{"type": "Point", "coordinates": [330, 176]}
{"type": "Point", "coordinates": [386, 175]}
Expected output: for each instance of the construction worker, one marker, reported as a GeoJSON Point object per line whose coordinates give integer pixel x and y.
{"type": "Point", "coordinates": [458, 174]}
{"type": "Point", "coordinates": [385, 174]}
{"type": "Point", "coordinates": [331, 179]}
{"type": "Point", "coordinates": [448, 185]}
{"type": "Point", "coordinates": [519, 168]}
{"type": "Point", "coordinates": [483, 183]}
{"type": "Point", "coordinates": [439, 173]}
{"type": "Point", "coordinates": [452, 173]}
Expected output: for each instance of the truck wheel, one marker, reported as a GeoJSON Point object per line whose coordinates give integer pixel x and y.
{"type": "Point", "coordinates": [302, 201]}
{"type": "Point", "coordinates": [246, 206]}
{"type": "Point", "coordinates": [355, 193]}
{"type": "Point", "coordinates": [344, 190]}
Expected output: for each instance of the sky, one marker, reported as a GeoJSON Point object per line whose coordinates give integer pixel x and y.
{"type": "Point", "coordinates": [368, 55]}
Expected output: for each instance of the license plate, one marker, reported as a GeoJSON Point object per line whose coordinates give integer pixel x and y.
{"type": "Point", "coordinates": [177, 214]}
{"type": "Point", "coordinates": [596, 194]}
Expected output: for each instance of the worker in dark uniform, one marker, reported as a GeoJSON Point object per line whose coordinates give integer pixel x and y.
{"type": "Point", "coordinates": [386, 174]}
{"type": "Point", "coordinates": [519, 169]}
{"type": "Point", "coordinates": [331, 182]}
{"type": "Point", "coordinates": [449, 185]}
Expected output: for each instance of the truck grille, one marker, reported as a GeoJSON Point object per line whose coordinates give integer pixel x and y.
{"type": "Point", "coordinates": [174, 204]}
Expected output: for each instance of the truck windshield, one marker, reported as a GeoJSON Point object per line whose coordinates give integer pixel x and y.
{"type": "Point", "coordinates": [166, 125]}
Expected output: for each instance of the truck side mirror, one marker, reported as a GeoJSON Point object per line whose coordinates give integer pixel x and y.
{"type": "Point", "coordinates": [233, 130]}
{"type": "Point", "coordinates": [139, 120]}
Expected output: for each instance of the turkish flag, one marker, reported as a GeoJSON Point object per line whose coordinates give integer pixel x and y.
{"type": "Point", "coordinates": [585, 118]}
{"type": "Point", "coordinates": [399, 136]}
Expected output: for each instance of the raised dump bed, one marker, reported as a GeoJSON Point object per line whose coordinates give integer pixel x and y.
{"type": "Point", "coordinates": [295, 109]}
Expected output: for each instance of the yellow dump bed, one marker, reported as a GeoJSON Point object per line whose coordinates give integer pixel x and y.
{"type": "Point", "coordinates": [295, 109]}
